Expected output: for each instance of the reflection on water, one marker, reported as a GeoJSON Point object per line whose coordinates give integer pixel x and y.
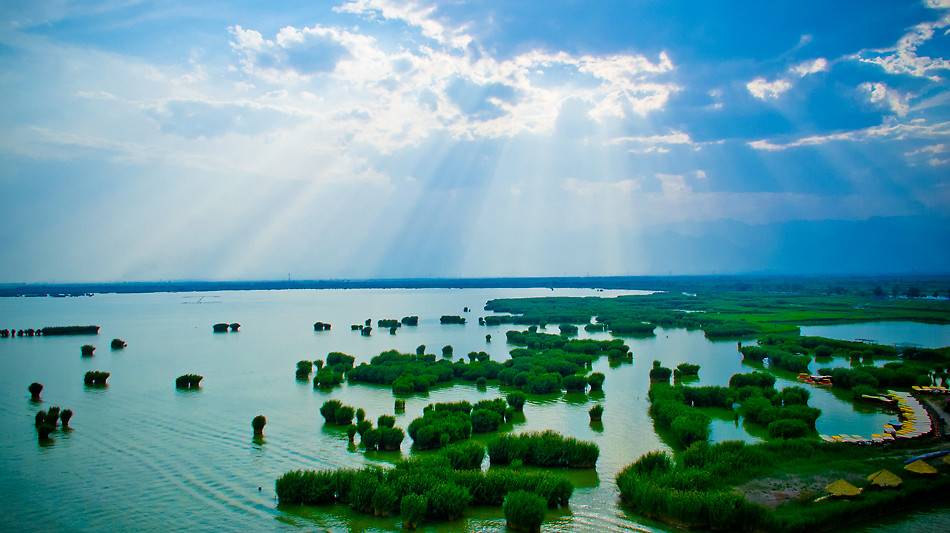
{"type": "Point", "coordinates": [146, 456]}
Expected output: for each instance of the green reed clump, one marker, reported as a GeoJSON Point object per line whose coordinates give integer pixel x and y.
{"type": "Point", "coordinates": [548, 449]}
{"type": "Point", "coordinates": [188, 381]}
{"type": "Point", "coordinates": [524, 511]}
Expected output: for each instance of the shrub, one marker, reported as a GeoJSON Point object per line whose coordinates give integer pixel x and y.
{"type": "Point", "coordinates": [524, 511]}
{"type": "Point", "coordinates": [188, 381]}
{"type": "Point", "coordinates": [258, 424]}
{"type": "Point", "coordinates": [65, 416]}
{"type": "Point", "coordinates": [35, 389]}
{"type": "Point", "coordinates": [467, 455]}
{"type": "Point", "coordinates": [413, 509]}
{"type": "Point", "coordinates": [386, 421]}
{"type": "Point", "coordinates": [87, 349]}
{"type": "Point", "coordinates": [861, 390]}
{"type": "Point", "coordinates": [596, 412]}
{"type": "Point", "coordinates": [516, 401]}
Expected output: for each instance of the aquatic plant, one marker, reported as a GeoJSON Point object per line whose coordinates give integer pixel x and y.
{"type": "Point", "coordinates": [65, 416]}
{"type": "Point", "coordinates": [516, 401]}
{"type": "Point", "coordinates": [399, 405]}
{"type": "Point", "coordinates": [344, 415]}
{"type": "Point", "coordinates": [447, 351]}
{"type": "Point", "coordinates": [96, 378]}
{"type": "Point", "coordinates": [335, 359]}
{"type": "Point", "coordinates": [304, 369]}
{"type": "Point", "coordinates": [258, 423]}
{"type": "Point", "coordinates": [52, 416]}
{"type": "Point", "coordinates": [118, 344]}
{"type": "Point", "coordinates": [451, 319]}
{"type": "Point", "coordinates": [481, 382]}
{"type": "Point", "coordinates": [596, 381]}
{"type": "Point", "coordinates": [447, 501]}
{"type": "Point", "coordinates": [328, 410]}
{"type": "Point", "coordinates": [321, 326]}
{"type": "Point", "coordinates": [574, 383]}
{"type": "Point", "coordinates": [660, 373]}
{"type": "Point", "coordinates": [390, 438]}
{"type": "Point", "coordinates": [351, 433]}
{"type": "Point", "coordinates": [35, 389]}
{"type": "Point", "coordinates": [596, 412]}
{"type": "Point", "coordinates": [413, 509]}
{"type": "Point", "coordinates": [524, 511]}
{"type": "Point", "coordinates": [40, 418]}
{"type": "Point", "coordinates": [386, 421]}
{"type": "Point", "coordinates": [421, 349]}
{"type": "Point", "coordinates": [465, 455]}
{"type": "Point", "coordinates": [788, 428]}
{"type": "Point", "coordinates": [549, 449]}
{"type": "Point", "coordinates": [220, 327]}
{"type": "Point", "coordinates": [384, 501]}
{"type": "Point", "coordinates": [410, 320]}
{"type": "Point", "coordinates": [87, 349]}
{"type": "Point", "coordinates": [485, 420]}
{"type": "Point", "coordinates": [188, 381]}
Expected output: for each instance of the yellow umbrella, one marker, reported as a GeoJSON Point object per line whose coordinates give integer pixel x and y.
{"type": "Point", "coordinates": [885, 478]}
{"type": "Point", "coordinates": [920, 467]}
{"type": "Point", "coordinates": [842, 489]}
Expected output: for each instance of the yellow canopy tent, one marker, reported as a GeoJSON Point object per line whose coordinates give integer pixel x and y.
{"type": "Point", "coordinates": [885, 478]}
{"type": "Point", "coordinates": [920, 467]}
{"type": "Point", "coordinates": [842, 489]}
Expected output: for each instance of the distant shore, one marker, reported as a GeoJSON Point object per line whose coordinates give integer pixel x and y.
{"type": "Point", "coordinates": [749, 282]}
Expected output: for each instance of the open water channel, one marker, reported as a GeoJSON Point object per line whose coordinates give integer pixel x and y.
{"type": "Point", "coordinates": [145, 456]}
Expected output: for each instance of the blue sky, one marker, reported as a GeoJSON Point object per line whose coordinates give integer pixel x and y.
{"type": "Point", "coordinates": [375, 138]}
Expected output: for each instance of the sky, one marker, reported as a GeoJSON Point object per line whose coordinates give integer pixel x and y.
{"type": "Point", "coordinates": [350, 139]}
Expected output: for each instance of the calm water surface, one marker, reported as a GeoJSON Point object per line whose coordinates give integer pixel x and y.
{"type": "Point", "coordinates": [144, 456]}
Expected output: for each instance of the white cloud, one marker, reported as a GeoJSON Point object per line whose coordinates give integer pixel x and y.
{"type": "Point", "coordinates": [764, 90]}
{"type": "Point", "coordinates": [903, 59]}
{"type": "Point", "coordinates": [811, 67]}
{"type": "Point", "coordinates": [891, 130]}
{"type": "Point", "coordinates": [937, 4]}
{"type": "Point", "coordinates": [655, 143]}
{"type": "Point", "coordinates": [410, 13]}
{"type": "Point", "coordinates": [893, 99]}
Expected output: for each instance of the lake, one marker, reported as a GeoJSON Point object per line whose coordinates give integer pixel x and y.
{"type": "Point", "coordinates": [145, 456]}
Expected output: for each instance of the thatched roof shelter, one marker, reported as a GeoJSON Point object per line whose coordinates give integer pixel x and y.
{"type": "Point", "coordinates": [920, 467]}
{"type": "Point", "coordinates": [842, 489]}
{"type": "Point", "coordinates": [885, 478]}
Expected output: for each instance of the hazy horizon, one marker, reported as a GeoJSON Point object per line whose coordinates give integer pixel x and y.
{"type": "Point", "coordinates": [376, 139]}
